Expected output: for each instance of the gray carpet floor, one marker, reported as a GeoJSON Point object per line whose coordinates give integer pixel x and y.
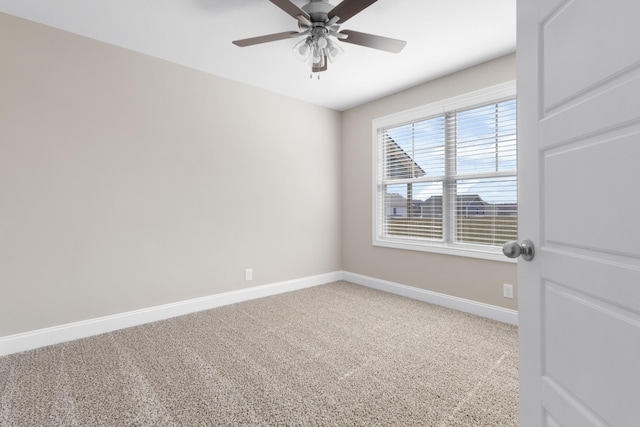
{"type": "Point", "coordinates": [332, 355]}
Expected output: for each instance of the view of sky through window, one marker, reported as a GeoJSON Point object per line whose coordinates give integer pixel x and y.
{"type": "Point", "coordinates": [485, 143]}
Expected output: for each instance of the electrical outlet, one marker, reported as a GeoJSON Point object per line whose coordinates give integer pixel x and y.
{"type": "Point", "coordinates": [507, 290]}
{"type": "Point", "coordinates": [248, 274]}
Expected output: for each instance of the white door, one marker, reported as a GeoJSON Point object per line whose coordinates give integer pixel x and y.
{"type": "Point", "coordinates": [579, 183]}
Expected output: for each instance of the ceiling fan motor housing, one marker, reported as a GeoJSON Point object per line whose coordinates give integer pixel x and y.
{"type": "Point", "coordinates": [318, 10]}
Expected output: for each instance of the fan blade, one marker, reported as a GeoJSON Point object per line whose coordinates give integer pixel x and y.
{"type": "Point", "coordinates": [304, 22]}
{"type": "Point", "coordinates": [373, 41]}
{"type": "Point", "coordinates": [290, 8]}
{"type": "Point", "coordinates": [265, 39]}
{"type": "Point", "coordinates": [348, 8]}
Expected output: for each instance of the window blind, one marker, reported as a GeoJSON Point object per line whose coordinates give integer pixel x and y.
{"type": "Point", "coordinates": [414, 155]}
{"type": "Point", "coordinates": [483, 186]}
{"type": "Point", "coordinates": [450, 178]}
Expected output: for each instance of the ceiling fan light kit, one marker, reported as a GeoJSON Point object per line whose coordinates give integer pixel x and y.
{"type": "Point", "coordinates": [319, 25]}
{"type": "Point", "coordinates": [316, 48]}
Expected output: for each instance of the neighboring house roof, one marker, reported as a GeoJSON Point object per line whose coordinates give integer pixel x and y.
{"type": "Point", "coordinates": [395, 200]}
{"type": "Point", "coordinates": [433, 205]}
{"type": "Point", "coordinates": [461, 200]}
{"type": "Point", "coordinates": [399, 163]}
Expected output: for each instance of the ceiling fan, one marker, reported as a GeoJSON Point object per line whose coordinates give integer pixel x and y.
{"type": "Point", "coordinates": [319, 24]}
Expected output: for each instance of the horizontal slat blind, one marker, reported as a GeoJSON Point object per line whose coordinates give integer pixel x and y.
{"type": "Point", "coordinates": [485, 138]}
{"type": "Point", "coordinates": [414, 165]}
{"type": "Point", "coordinates": [455, 170]}
{"type": "Point", "coordinates": [484, 183]}
{"type": "Point", "coordinates": [414, 150]}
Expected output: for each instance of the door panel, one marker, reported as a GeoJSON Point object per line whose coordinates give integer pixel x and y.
{"type": "Point", "coordinates": [593, 34]}
{"type": "Point", "coordinates": [617, 105]}
{"type": "Point", "coordinates": [616, 102]}
{"type": "Point", "coordinates": [579, 172]}
{"type": "Point", "coordinates": [602, 279]}
{"type": "Point", "coordinates": [581, 207]}
{"type": "Point", "coordinates": [587, 343]}
{"type": "Point", "coordinates": [566, 410]}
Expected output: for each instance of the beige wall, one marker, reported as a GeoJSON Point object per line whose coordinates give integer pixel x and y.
{"type": "Point", "coordinates": [128, 182]}
{"type": "Point", "coordinates": [470, 278]}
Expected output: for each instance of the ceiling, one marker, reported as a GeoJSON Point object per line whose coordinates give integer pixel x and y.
{"type": "Point", "coordinates": [443, 36]}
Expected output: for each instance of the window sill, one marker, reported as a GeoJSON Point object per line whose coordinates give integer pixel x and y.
{"type": "Point", "coordinates": [455, 249]}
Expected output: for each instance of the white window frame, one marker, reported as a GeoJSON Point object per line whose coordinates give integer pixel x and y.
{"type": "Point", "coordinates": [467, 100]}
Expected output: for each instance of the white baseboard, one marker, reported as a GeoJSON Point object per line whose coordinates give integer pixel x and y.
{"type": "Point", "coordinates": [57, 334]}
{"type": "Point", "coordinates": [468, 306]}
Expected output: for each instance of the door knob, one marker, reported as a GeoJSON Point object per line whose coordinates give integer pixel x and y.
{"type": "Point", "coordinates": [513, 249]}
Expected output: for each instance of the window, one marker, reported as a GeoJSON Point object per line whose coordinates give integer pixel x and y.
{"type": "Point", "coordinates": [445, 177]}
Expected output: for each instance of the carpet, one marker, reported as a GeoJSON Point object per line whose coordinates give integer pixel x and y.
{"type": "Point", "coordinates": [333, 355]}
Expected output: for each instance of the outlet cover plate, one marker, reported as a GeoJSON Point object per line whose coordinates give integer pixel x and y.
{"type": "Point", "coordinates": [507, 290]}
